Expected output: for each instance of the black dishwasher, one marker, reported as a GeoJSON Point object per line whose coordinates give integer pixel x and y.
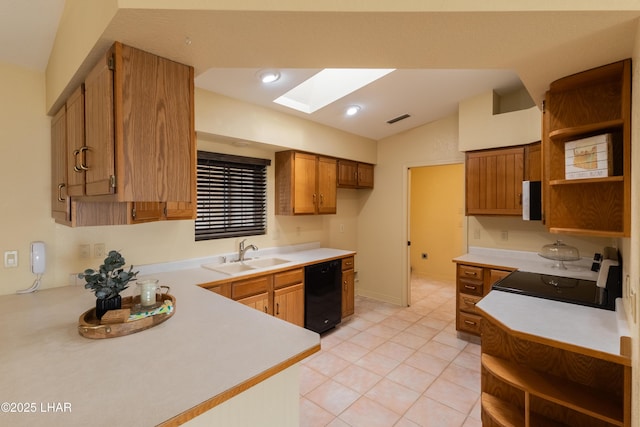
{"type": "Point", "coordinates": [322, 296]}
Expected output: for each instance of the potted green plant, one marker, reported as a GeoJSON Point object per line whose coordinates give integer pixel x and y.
{"type": "Point", "coordinates": [108, 282]}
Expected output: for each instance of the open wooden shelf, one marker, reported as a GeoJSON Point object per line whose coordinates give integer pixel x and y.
{"type": "Point", "coordinates": [582, 181]}
{"type": "Point", "coordinates": [582, 105]}
{"type": "Point", "coordinates": [591, 128]}
{"type": "Point", "coordinates": [561, 391]}
{"type": "Point", "coordinates": [505, 414]}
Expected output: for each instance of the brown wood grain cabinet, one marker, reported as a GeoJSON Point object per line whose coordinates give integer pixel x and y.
{"type": "Point", "coordinates": [593, 102]}
{"type": "Point", "coordinates": [494, 181]}
{"type": "Point", "coordinates": [60, 206]}
{"type": "Point", "coordinates": [472, 283]}
{"type": "Point", "coordinates": [348, 286]}
{"type": "Point", "coordinates": [131, 138]}
{"type": "Point", "coordinates": [306, 184]}
{"type": "Point", "coordinates": [353, 174]}
{"type": "Point", "coordinates": [493, 178]}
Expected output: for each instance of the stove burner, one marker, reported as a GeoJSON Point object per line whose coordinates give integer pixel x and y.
{"type": "Point", "coordinates": [557, 288]}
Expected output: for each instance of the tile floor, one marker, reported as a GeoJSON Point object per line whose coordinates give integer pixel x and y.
{"type": "Point", "coordinates": [393, 366]}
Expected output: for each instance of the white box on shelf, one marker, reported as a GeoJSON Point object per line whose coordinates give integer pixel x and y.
{"type": "Point", "coordinates": [588, 157]}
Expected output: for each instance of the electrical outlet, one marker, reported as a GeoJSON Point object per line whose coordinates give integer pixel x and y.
{"type": "Point", "coordinates": [10, 259]}
{"type": "Point", "coordinates": [84, 251]}
{"type": "Point", "coordinates": [342, 228]}
{"type": "Point", "coordinates": [98, 250]}
{"type": "Point", "coordinates": [504, 235]}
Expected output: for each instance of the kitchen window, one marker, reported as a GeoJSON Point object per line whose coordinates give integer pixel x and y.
{"type": "Point", "coordinates": [232, 196]}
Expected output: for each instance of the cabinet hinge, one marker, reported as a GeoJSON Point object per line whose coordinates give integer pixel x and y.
{"type": "Point", "coordinates": [112, 181]}
{"type": "Point", "coordinates": [111, 63]}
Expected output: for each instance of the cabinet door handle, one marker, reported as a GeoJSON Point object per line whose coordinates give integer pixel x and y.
{"type": "Point", "coordinates": [76, 168]}
{"type": "Point", "coordinates": [470, 273]}
{"type": "Point", "coordinates": [60, 187]}
{"type": "Point", "coordinates": [82, 166]}
{"type": "Point", "coordinates": [314, 199]}
{"type": "Point", "coordinates": [277, 308]}
{"type": "Point", "coordinates": [321, 199]}
{"type": "Point", "coordinates": [470, 322]}
{"type": "Point", "coordinates": [266, 309]}
{"type": "Point", "coordinates": [470, 287]}
{"type": "Point", "coordinates": [469, 301]}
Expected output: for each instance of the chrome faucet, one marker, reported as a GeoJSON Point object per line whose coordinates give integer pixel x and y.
{"type": "Point", "coordinates": [242, 249]}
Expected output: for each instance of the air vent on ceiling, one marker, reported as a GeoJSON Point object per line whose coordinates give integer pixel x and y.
{"type": "Point", "coordinates": [397, 119]}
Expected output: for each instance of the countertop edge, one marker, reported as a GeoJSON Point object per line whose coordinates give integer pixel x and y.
{"type": "Point", "coordinates": [239, 388]}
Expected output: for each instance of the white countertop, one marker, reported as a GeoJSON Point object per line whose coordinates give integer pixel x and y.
{"type": "Point", "coordinates": [593, 329]}
{"type": "Point", "coordinates": [589, 328]}
{"type": "Point", "coordinates": [210, 345]}
{"type": "Point", "coordinates": [527, 261]}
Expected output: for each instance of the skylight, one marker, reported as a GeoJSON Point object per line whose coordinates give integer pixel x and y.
{"type": "Point", "coordinates": [328, 86]}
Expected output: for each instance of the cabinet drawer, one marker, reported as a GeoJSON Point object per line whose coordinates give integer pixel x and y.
{"type": "Point", "coordinates": [469, 323]}
{"type": "Point", "coordinates": [468, 302]}
{"type": "Point", "coordinates": [249, 287]}
{"type": "Point", "coordinates": [286, 278]}
{"type": "Point", "coordinates": [347, 263]}
{"type": "Point", "coordinates": [473, 287]}
{"type": "Point", "coordinates": [469, 272]}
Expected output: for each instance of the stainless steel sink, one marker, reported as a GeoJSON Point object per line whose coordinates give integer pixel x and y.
{"type": "Point", "coordinates": [266, 262]}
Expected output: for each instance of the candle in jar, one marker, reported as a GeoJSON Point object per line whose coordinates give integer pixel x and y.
{"type": "Point", "coordinates": [148, 292]}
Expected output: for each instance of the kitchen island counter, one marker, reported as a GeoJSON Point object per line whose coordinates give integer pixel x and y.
{"type": "Point", "coordinates": [586, 330]}
{"type": "Point", "coordinates": [209, 351]}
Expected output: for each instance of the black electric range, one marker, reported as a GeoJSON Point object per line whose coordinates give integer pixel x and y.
{"type": "Point", "coordinates": [557, 288]}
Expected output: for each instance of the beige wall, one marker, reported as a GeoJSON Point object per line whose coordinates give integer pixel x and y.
{"type": "Point", "coordinates": [481, 128]}
{"type": "Point", "coordinates": [437, 224]}
{"type": "Point", "coordinates": [382, 225]}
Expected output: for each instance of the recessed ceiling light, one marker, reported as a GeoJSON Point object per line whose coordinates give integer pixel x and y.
{"type": "Point", "coordinates": [353, 110]}
{"type": "Point", "coordinates": [269, 76]}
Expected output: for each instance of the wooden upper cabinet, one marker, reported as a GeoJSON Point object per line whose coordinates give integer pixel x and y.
{"type": "Point", "coordinates": [140, 128]}
{"type": "Point", "coordinates": [154, 127]}
{"type": "Point", "coordinates": [305, 184]}
{"type": "Point", "coordinates": [130, 138]}
{"type": "Point", "coordinates": [590, 103]}
{"type": "Point", "coordinates": [60, 207]}
{"type": "Point", "coordinates": [76, 150]}
{"type": "Point", "coordinates": [354, 174]}
{"type": "Point", "coordinates": [327, 185]}
{"type": "Point", "coordinates": [98, 156]}
{"type": "Point", "coordinates": [494, 181]}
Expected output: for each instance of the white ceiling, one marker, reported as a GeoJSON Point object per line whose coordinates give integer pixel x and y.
{"type": "Point", "coordinates": [28, 28]}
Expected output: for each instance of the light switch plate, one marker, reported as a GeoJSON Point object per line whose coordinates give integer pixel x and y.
{"type": "Point", "coordinates": [10, 259]}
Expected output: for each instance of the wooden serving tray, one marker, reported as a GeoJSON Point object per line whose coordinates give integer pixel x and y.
{"type": "Point", "coordinates": [116, 325]}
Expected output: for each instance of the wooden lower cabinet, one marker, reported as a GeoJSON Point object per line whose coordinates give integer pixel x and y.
{"type": "Point", "coordinates": [526, 382]}
{"type": "Point", "coordinates": [281, 294]}
{"type": "Point", "coordinates": [288, 304]}
{"type": "Point", "coordinates": [472, 283]}
{"type": "Point", "coordinates": [260, 302]}
{"type": "Point", "coordinates": [348, 287]}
